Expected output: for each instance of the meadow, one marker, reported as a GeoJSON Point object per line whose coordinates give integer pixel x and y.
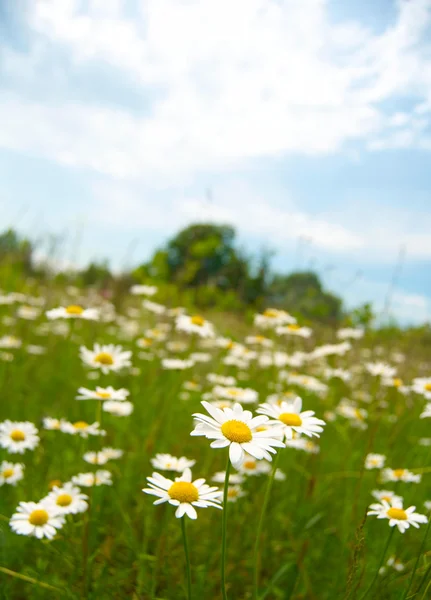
{"type": "Point", "coordinates": [293, 527]}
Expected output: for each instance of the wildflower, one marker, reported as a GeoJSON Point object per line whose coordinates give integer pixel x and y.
{"type": "Point", "coordinates": [234, 492]}
{"type": "Point", "coordinates": [397, 515]}
{"type": "Point", "coordinates": [100, 477]}
{"type": "Point", "coordinates": [337, 374]}
{"type": "Point", "coordinates": [36, 519]}
{"type": "Point", "coordinates": [119, 408]}
{"type": "Point", "coordinates": [350, 333]}
{"type": "Point", "coordinates": [154, 307]}
{"type": "Point", "coordinates": [73, 311]}
{"type": "Point", "coordinates": [388, 495]}
{"type": "Point", "coordinates": [245, 395]}
{"type": "Point", "coordinates": [380, 369]}
{"type": "Point", "coordinates": [82, 428]}
{"type": "Point", "coordinates": [95, 458]}
{"type": "Point", "coordinates": [177, 364]}
{"type": "Point", "coordinates": [143, 290]}
{"type": "Point", "coordinates": [10, 341]}
{"type": "Point", "coordinates": [251, 466]}
{"type": "Point", "coordinates": [290, 417]}
{"type": "Point", "coordinates": [426, 413]}
{"type": "Point", "coordinates": [221, 379]}
{"type": "Point", "coordinates": [52, 424]}
{"type": "Point", "coordinates": [303, 444]}
{"type": "Point", "coordinates": [18, 436]}
{"type": "Point", "coordinates": [35, 349]}
{"type": "Point", "coordinates": [106, 357]}
{"type": "Point", "coordinates": [259, 340]}
{"type": "Point", "coordinates": [400, 475]}
{"type": "Point", "coordinates": [422, 385]}
{"type": "Point", "coordinates": [238, 429]}
{"type": "Point", "coordinates": [167, 462]}
{"type": "Point", "coordinates": [67, 499]}
{"type": "Point", "coordinates": [195, 324]}
{"type": "Point", "coordinates": [374, 461]}
{"type": "Point", "coordinates": [104, 394]}
{"type": "Point", "coordinates": [294, 329]}
{"type": "Point", "coordinates": [273, 317]}
{"type": "Point", "coordinates": [234, 478]}
{"type": "Point", "coordinates": [30, 313]}
{"type": "Point", "coordinates": [192, 386]}
{"type": "Point", "coordinates": [183, 493]}
{"type": "Point", "coordinates": [306, 381]}
{"type": "Point", "coordinates": [11, 473]}
{"type": "Point", "coordinates": [200, 357]}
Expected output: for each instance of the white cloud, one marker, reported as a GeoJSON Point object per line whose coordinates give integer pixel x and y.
{"type": "Point", "coordinates": [231, 81]}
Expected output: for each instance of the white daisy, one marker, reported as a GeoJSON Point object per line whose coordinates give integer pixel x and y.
{"type": "Point", "coordinates": [422, 385]}
{"type": "Point", "coordinates": [30, 313]}
{"type": "Point", "coordinates": [36, 519]}
{"type": "Point", "coordinates": [101, 477]}
{"type": "Point", "coordinates": [67, 499]}
{"type": "Point", "coordinates": [304, 444]}
{"type": "Point", "coordinates": [143, 290]}
{"type": "Point", "coordinates": [177, 363]}
{"type": "Point", "coordinates": [397, 515]}
{"type": "Point", "coordinates": [119, 408]}
{"type": "Point", "coordinates": [259, 340]}
{"type": "Point", "coordinates": [289, 416]}
{"type": "Point", "coordinates": [400, 475]}
{"type": "Point", "coordinates": [100, 393]}
{"type": "Point", "coordinates": [18, 436]}
{"type": "Point", "coordinates": [52, 424]}
{"type": "Point", "coordinates": [374, 461]}
{"type": "Point", "coordinates": [238, 429]}
{"type": "Point", "coordinates": [273, 317]}
{"type": "Point", "coordinates": [294, 329]}
{"type": "Point", "coordinates": [221, 379]}
{"type": "Point", "coordinates": [95, 458]}
{"type": "Point", "coordinates": [244, 395]}
{"type": "Point", "coordinates": [388, 495]}
{"type": "Point", "coordinates": [106, 357]}
{"type": "Point", "coordinates": [234, 492]}
{"type": "Point", "coordinates": [10, 341]}
{"type": "Point", "coordinates": [154, 307]}
{"type": "Point", "coordinates": [112, 453]}
{"type": "Point", "coordinates": [350, 333]}
{"type": "Point", "coordinates": [426, 413]}
{"type": "Point", "coordinates": [73, 311]}
{"type": "Point", "coordinates": [380, 369]}
{"type": "Point", "coordinates": [195, 324]}
{"type": "Point", "coordinates": [183, 493]}
{"type": "Point", "coordinates": [167, 462]}
{"type": "Point", "coordinates": [82, 428]}
{"type": "Point", "coordinates": [11, 473]}
{"type": "Point", "coordinates": [234, 478]}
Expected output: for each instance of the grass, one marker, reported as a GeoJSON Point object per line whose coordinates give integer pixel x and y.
{"type": "Point", "coordinates": [315, 542]}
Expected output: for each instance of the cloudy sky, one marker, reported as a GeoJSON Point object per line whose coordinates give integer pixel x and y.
{"type": "Point", "coordinates": [305, 123]}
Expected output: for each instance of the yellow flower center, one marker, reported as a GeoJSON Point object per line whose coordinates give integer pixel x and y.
{"type": "Point", "coordinates": [294, 327]}
{"type": "Point", "coordinates": [54, 483]}
{"type": "Point", "coordinates": [230, 345]}
{"type": "Point", "coordinates": [397, 382]}
{"type": "Point", "coordinates": [64, 500]}
{"type": "Point", "coordinates": [17, 435]}
{"type": "Point", "coordinates": [103, 395]}
{"type": "Point", "coordinates": [271, 313]}
{"type": "Point", "coordinates": [427, 387]}
{"type": "Point", "coordinates": [236, 431]}
{"type": "Point", "coordinates": [387, 498]}
{"type": "Point", "coordinates": [38, 517]}
{"type": "Point", "coordinates": [234, 393]}
{"type": "Point", "coordinates": [249, 464]}
{"type": "Point", "coordinates": [259, 339]}
{"type": "Point", "coordinates": [80, 425]}
{"type": "Point", "coordinates": [197, 320]}
{"type": "Point", "coordinates": [397, 513]}
{"type": "Point", "coordinates": [358, 414]}
{"type": "Point", "coordinates": [104, 358]}
{"type": "Point", "coordinates": [7, 473]}
{"type": "Point", "coordinates": [232, 492]}
{"type": "Point", "coordinates": [398, 472]}
{"type": "Point", "coordinates": [290, 419]}
{"type": "Point", "coordinates": [74, 309]}
{"type": "Point", "coordinates": [183, 491]}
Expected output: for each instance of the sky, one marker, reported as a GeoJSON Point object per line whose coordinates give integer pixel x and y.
{"type": "Point", "coordinates": [306, 124]}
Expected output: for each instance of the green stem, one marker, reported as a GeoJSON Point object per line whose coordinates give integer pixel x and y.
{"type": "Point", "coordinates": [380, 564]}
{"type": "Point", "coordinates": [223, 534]}
{"type": "Point", "coordinates": [417, 559]}
{"type": "Point", "coordinates": [186, 552]}
{"type": "Point", "coordinates": [259, 529]}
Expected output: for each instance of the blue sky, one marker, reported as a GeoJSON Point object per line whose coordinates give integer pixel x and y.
{"type": "Point", "coordinates": [305, 124]}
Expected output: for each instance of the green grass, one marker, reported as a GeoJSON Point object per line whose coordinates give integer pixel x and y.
{"type": "Point", "coordinates": [315, 543]}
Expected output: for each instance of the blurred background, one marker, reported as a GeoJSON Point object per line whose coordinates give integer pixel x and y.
{"type": "Point", "coordinates": [252, 152]}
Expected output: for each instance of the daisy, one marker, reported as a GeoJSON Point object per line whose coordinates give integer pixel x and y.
{"type": "Point", "coordinates": [201, 357]}
{"type": "Point", "coordinates": [380, 369]}
{"type": "Point", "coordinates": [303, 444]}
{"type": "Point", "coordinates": [221, 379]}
{"type": "Point", "coordinates": [272, 317]}
{"type": "Point", "coordinates": [374, 461]}
{"type": "Point", "coordinates": [167, 462]}
{"type": "Point", "coordinates": [330, 350]}
{"type": "Point", "coordinates": [259, 340]}
{"type": "Point", "coordinates": [82, 428]}
{"type": "Point", "coordinates": [177, 364]}
{"type": "Point", "coordinates": [144, 342]}
{"type": "Point", "coordinates": [95, 458]}
{"type": "Point", "coordinates": [350, 333]}
{"type": "Point", "coordinates": [100, 393]}
{"type": "Point", "coordinates": [234, 492]}
{"type": "Point", "coordinates": [306, 381]}
{"type": "Point", "coordinates": [195, 324]}
{"type": "Point", "coordinates": [238, 429]}
{"type": "Point", "coordinates": [289, 416]}
{"type": "Point", "coordinates": [234, 478]}
{"type": "Point", "coordinates": [11, 473]}
{"type": "Point", "coordinates": [36, 519]}
{"type": "Point", "coordinates": [388, 495]}
{"type": "Point", "coordinates": [294, 329]}
{"type": "Point", "coordinates": [106, 357]}
{"type": "Point", "coordinates": [101, 477]}
{"type": "Point", "coordinates": [112, 453]}
{"type": "Point", "coordinates": [426, 413]}
{"type": "Point", "coordinates": [154, 307]}
{"type": "Point", "coordinates": [400, 475]}
{"type": "Point", "coordinates": [35, 349]}
{"type": "Point", "coordinates": [422, 385]}
{"type": "Point", "coordinates": [397, 515]}
{"type": "Point", "coordinates": [251, 466]}
{"type": "Point", "coordinates": [118, 408]}
{"type": "Point", "coordinates": [183, 493]}
{"type": "Point", "coordinates": [143, 290]}
{"type": "Point", "coordinates": [67, 499]}
{"type": "Point", "coordinates": [192, 386]}
{"type": "Point", "coordinates": [18, 436]}
{"type": "Point", "coordinates": [73, 311]}
{"type": "Point", "coordinates": [52, 424]}
{"type": "Point", "coordinates": [29, 313]}
{"type": "Point", "coordinates": [245, 395]}
{"type": "Point", "coordinates": [10, 341]}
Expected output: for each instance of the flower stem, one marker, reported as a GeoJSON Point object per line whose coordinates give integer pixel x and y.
{"type": "Point", "coordinates": [417, 559]}
{"type": "Point", "coordinates": [259, 529]}
{"type": "Point", "coordinates": [380, 563]}
{"type": "Point", "coordinates": [223, 534]}
{"type": "Point", "coordinates": [186, 552]}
